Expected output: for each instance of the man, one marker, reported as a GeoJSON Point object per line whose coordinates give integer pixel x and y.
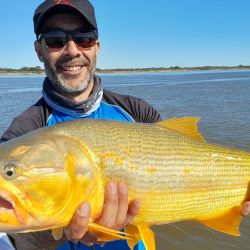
{"type": "Point", "coordinates": [67, 43]}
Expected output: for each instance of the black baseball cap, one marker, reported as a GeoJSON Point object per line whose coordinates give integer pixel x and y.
{"type": "Point", "coordinates": [50, 7]}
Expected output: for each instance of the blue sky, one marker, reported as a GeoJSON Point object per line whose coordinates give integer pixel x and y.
{"type": "Point", "coordinates": [144, 33]}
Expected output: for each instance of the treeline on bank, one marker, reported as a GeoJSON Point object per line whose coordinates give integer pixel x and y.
{"type": "Point", "coordinates": [40, 70]}
{"type": "Point", "coordinates": [23, 70]}
{"type": "Point", "coordinates": [176, 68]}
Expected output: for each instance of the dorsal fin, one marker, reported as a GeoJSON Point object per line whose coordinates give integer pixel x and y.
{"type": "Point", "coordinates": [185, 125]}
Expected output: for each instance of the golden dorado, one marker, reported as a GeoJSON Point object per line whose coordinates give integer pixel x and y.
{"type": "Point", "coordinates": [168, 166]}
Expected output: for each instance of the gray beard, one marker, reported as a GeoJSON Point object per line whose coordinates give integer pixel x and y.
{"type": "Point", "coordinates": [63, 88]}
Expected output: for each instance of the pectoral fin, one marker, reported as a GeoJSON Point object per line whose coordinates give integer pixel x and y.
{"type": "Point", "coordinates": [141, 232]}
{"type": "Point", "coordinates": [228, 222]}
{"type": "Point", "coordinates": [104, 233]}
{"type": "Point", "coordinates": [108, 234]}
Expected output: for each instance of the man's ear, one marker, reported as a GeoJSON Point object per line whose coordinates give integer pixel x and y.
{"type": "Point", "coordinates": [97, 47]}
{"type": "Point", "coordinates": [39, 50]}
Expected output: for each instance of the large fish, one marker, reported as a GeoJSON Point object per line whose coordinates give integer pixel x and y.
{"type": "Point", "coordinates": [168, 166]}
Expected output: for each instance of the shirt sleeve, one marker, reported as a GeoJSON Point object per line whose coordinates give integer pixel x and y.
{"type": "Point", "coordinates": [145, 113]}
{"type": "Point", "coordinates": [137, 108]}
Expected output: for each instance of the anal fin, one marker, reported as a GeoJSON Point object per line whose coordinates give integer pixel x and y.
{"type": "Point", "coordinates": [228, 222]}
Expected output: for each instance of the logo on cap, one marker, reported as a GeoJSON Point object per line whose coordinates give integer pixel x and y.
{"type": "Point", "coordinates": [63, 2]}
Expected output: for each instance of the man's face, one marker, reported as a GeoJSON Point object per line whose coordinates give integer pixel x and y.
{"type": "Point", "coordinates": [70, 68]}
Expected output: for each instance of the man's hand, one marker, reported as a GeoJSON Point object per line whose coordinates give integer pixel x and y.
{"type": "Point", "coordinates": [117, 213]}
{"type": "Point", "coordinates": [246, 208]}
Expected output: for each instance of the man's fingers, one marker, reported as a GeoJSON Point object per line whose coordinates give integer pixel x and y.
{"type": "Point", "coordinates": [116, 213]}
{"type": "Point", "coordinates": [246, 208]}
{"type": "Point", "coordinates": [110, 206]}
{"type": "Point", "coordinates": [122, 205]}
{"type": "Point", "coordinates": [79, 223]}
{"type": "Point", "coordinates": [133, 210]}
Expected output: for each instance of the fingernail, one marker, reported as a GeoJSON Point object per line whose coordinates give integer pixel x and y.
{"type": "Point", "coordinates": [137, 204]}
{"type": "Point", "coordinates": [123, 188]}
{"type": "Point", "coordinates": [113, 188]}
{"type": "Point", "coordinates": [247, 207]}
{"type": "Point", "coordinates": [83, 210]}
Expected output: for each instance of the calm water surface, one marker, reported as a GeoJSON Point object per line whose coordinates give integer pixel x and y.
{"type": "Point", "coordinates": [221, 99]}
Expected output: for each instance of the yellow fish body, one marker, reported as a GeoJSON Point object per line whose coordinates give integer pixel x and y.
{"type": "Point", "coordinates": [168, 166]}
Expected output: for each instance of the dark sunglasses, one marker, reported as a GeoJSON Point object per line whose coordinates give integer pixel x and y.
{"type": "Point", "coordinates": [57, 38]}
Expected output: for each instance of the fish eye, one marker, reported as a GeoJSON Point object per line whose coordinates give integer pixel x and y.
{"type": "Point", "coordinates": [9, 171]}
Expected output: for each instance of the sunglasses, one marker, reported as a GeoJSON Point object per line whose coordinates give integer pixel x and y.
{"type": "Point", "coordinates": [57, 38]}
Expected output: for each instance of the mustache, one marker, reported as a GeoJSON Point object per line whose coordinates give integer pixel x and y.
{"type": "Point", "coordinates": [72, 61]}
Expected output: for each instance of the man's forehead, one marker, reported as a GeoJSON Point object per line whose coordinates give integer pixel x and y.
{"type": "Point", "coordinates": [64, 20]}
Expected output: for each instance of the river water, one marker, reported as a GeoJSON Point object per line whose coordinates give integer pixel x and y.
{"type": "Point", "coordinates": [220, 98]}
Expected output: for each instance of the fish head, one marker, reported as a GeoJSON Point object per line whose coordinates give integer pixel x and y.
{"type": "Point", "coordinates": [42, 181]}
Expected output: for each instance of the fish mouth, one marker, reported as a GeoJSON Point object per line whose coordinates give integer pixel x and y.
{"type": "Point", "coordinates": [6, 203]}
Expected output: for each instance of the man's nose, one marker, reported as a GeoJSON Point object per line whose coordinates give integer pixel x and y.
{"type": "Point", "coordinates": [71, 47]}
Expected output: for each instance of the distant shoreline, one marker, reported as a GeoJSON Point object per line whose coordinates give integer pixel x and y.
{"type": "Point", "coordinates": [38, 71]}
